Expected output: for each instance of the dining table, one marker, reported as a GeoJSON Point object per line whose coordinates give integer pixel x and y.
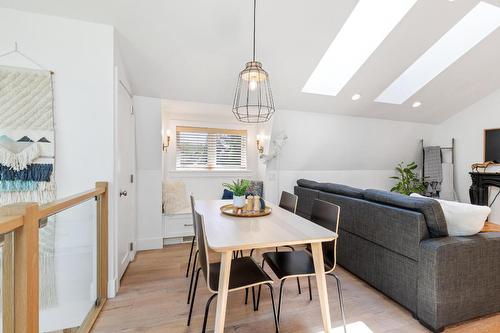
{"type": "Point", "coordinates": [226, 234]}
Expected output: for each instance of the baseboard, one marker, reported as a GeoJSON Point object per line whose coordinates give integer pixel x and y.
{"type": "Point", "coordinates": [177, 240]}
{"type": "Point", "coordinates": [112, 288]}
{"type": "Point", "coordinates": [149, 244]}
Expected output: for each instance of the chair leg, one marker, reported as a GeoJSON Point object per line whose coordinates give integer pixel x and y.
{"type": "Point", "coordinates": [251, 252]}
{"type": "Point", "coordinates": [241, 253]}
{"type": "Point", "coordinates": [246, 296]}
{"type": "Point", "coordinates": [276, 324]}
{"type": "Point", "coordinates": [207, 308]}
{"type": "Point", "coordinates": [290, 247]}
{"type": "Point", "coordinates": [192, 275]}
{"type": "Point", "coordinates": [280, 300]}
{"type": "Point", "coordinates": [190, 257]}
{"type": "Point", "coordinates": [260, 286]}
{"type": "Point", "coordinates": [310, 292]}
{"type": "Point", "coordinates": [194, 294]}
{"type": "Point", "coordinates": [255, 305]}
{"type": "Point", "coordinates": [298, 285]}
{"type": "Point", "coordinates": [341, 299]}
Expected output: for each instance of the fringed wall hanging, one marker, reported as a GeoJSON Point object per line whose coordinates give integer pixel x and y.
{"type": "Point", "coordinates": [27, 155]}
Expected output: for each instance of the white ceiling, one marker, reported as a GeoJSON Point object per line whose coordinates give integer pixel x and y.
{"type": "Point", "coordinates": [193, 50]}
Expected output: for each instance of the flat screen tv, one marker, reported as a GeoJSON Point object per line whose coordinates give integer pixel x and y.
{"type": "Point", "coordinates": [492, 145]}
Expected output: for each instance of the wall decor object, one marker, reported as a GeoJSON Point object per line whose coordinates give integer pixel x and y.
{"type": "Point", "coordinates": [275, 150]}
{"type": "Point", "coordinates": [27, 155]}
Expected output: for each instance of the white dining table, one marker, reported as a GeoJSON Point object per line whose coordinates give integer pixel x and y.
{"type": "Point", "coordinates": [226, 234]}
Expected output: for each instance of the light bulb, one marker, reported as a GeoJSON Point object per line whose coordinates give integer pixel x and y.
{"type": "Point", "coordinates": [252, 85]}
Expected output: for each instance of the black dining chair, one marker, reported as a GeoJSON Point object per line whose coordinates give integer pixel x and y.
{"type": "Point", "coordinates": [300, 263]}
{"type": "Point", "coordinates": [289, 202]}
{"type": "Point", "coordinates": [191, 252]}
{"type": "Point", "coordinates": [245, 273]}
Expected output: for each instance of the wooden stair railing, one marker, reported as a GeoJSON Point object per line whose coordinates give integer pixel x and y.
{"type": "Point", "coordinates": [19, 223]}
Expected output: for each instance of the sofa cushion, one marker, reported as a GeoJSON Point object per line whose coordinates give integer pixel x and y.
{"type": "Point", "coordinates": [308, 184]}
{"type": "Point", "coordinates": [399, 230]}
{"type": "Point", "coordinates": [431, 209]}
{"type": "Point", "coordinates": [344, 190]}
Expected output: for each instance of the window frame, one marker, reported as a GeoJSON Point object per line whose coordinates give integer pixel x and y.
{"type": "Point", "coordinates": [212, 150]}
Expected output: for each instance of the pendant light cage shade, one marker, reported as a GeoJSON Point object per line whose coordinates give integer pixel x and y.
{"type": "Point", "coordinates": [253, 99]}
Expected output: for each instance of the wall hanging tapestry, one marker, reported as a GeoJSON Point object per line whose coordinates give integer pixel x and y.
{"type": "Point", "coordinates": [27, 155]}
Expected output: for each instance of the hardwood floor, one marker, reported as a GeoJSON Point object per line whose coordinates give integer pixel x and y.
{"type": "Point", "coordinates": [153, 294]}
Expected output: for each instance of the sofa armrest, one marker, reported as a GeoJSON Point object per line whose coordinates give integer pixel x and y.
{"type": "Point", "coordinates": [459, 279]}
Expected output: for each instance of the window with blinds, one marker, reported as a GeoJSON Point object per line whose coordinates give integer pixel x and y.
{"type": "Point", "coordinates": [210, 148]}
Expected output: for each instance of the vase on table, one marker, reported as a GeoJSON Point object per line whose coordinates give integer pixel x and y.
{"type": "Point", "coordinates": [239, 201]}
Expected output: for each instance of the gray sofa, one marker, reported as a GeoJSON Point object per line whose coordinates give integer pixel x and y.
{"type": "Point", "coordinates": [400, 246]}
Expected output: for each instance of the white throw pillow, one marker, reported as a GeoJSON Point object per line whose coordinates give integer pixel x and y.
{"type": "Point", "coordinates": [462, 219]}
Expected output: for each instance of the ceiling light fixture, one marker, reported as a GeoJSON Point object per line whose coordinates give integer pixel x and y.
{"type": "Point", "coordinates": [355, 97]}
{"type": "Point", "coordinates": [416, 104]}
{"type": "Point", "coordinates": [368, 25]}
{"type": "Point", "coordinates": [481, 21]}
{"type": "Point", "coordinates": [253, 100]}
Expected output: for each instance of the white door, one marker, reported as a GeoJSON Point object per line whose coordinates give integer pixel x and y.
{"type": "Point", "coordinates": [126, 190]}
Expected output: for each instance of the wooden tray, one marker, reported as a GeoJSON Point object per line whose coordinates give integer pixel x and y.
{"type": "Point", "coordinates": [230, 210]}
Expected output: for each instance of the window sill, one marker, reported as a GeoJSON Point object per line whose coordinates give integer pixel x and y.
{"type": "Point", "coordinates": [208, 173]}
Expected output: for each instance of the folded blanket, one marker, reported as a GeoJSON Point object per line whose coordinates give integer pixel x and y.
{"type": "Point", "coordinates": [433, 170]}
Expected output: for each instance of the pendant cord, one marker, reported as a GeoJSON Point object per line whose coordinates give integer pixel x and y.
{"type": "Point", "coordinates": [254, 3]}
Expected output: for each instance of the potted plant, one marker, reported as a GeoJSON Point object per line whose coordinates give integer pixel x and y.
{"type": "Point", "coordinates": [408, 181]}
{"type": "Point", "coordinates": [238, 187]}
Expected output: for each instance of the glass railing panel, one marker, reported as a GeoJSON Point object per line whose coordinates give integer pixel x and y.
{"type": "Point", "coordinates": [68, 267]}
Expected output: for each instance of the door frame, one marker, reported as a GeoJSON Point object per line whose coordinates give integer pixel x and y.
{"type": "Point", "coordinates": [121, 83]}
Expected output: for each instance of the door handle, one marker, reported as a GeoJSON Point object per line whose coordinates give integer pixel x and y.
{"type": "Point", "coordinates": [123, 193]}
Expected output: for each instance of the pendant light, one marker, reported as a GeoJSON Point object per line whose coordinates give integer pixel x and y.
{"type": "Point", "coordinates": [253, 99]}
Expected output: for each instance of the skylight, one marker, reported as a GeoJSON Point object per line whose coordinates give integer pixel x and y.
{"type": "Point", "coordinates": [481, 21]}
{"type": "Point", "coordinates": [368, 25]}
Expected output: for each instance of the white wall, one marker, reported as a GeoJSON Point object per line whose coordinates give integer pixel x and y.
{"type": "Point", "coordinates": [82, 56]}
{"type": "Point", "coordinates": [149, 172]}
{"type": "Point", "coordinates": [206, 185]}
{"type": "Point", "coordinates": [360, 152]}
{"type": "Point", "coordinates": [467, 127]}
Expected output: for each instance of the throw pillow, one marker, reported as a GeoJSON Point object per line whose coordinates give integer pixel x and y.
{"type": "Point", "coordinates": [462, 219]}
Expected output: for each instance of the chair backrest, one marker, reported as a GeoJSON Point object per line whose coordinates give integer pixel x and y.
{"type": "Point", "coordinates": [193, 213]}
{"type": "Point", "coordinates": [327, 215]}
{"type": "Point", "coordinates": [202, 247]}
{"type": "Point", "coordinates": [288, 201]}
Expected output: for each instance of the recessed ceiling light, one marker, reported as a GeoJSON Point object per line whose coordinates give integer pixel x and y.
{"type": "Point", "coordinates": [467, 33]}
{"type": "Point", "coordinates": [368, 25]}
{"type": "Point", "coordinates": [355, 97]}
{"type": "Point", "coordinates": [416, 104]}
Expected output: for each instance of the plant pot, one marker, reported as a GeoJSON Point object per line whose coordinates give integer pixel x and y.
{"type": "Point", "coordinates": [239, 202]}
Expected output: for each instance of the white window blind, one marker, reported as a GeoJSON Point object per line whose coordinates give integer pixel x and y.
{"type": "Point", "coordinates": [210, 148]}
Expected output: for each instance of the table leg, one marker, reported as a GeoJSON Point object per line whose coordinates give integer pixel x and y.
{"type": "Point", "coordinates": [319, 267]}
{"type": "Point", "coordinates": [225, 269]}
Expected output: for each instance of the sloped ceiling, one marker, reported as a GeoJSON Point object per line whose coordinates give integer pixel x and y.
{"type": "Point", "coordinates": [193, 50]}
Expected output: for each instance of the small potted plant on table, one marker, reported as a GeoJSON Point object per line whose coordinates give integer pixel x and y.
{"type": "Point", "coordinates": [238, 187]}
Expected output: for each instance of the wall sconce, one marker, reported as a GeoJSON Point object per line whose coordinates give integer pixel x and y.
{"type": "Point", "coordinates": [260, 147]}
{"type": "Point", "coordinates": [166, 141]}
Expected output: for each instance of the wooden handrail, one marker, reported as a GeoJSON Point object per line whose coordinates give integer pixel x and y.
{"type": "Point", "coordinates": [59, 205]}
{"type": "Point", "coordinates": [10, 223]}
